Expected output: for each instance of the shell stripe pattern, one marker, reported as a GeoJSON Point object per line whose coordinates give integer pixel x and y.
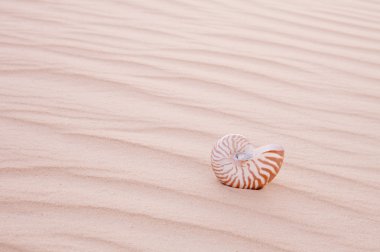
{"type": "Point", "coordinates": [237, 164]}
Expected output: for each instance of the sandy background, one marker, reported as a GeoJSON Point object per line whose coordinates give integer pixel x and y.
{"type": "Point", "coordinates": [109, 110]}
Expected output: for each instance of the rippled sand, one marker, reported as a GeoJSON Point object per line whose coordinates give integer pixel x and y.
{"type": "Point", "coordinates": [109, 110]}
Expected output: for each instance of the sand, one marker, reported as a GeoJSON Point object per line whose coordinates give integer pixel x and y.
{"type": "Point", "coordinates": [109, 111]}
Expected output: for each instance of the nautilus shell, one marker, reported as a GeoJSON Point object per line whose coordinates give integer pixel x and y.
{"type": "Point", "coordinates": [238, 164]}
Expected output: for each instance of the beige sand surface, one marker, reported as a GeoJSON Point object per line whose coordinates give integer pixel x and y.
{"type": "Point", "coordinates": [109, 110]}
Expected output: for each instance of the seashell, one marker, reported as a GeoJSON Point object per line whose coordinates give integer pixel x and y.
{"type": "Point", "coordinates": [238, 164]}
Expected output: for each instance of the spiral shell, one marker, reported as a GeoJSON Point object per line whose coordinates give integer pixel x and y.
{"type": "Point", "coordinates": [238, 164]}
